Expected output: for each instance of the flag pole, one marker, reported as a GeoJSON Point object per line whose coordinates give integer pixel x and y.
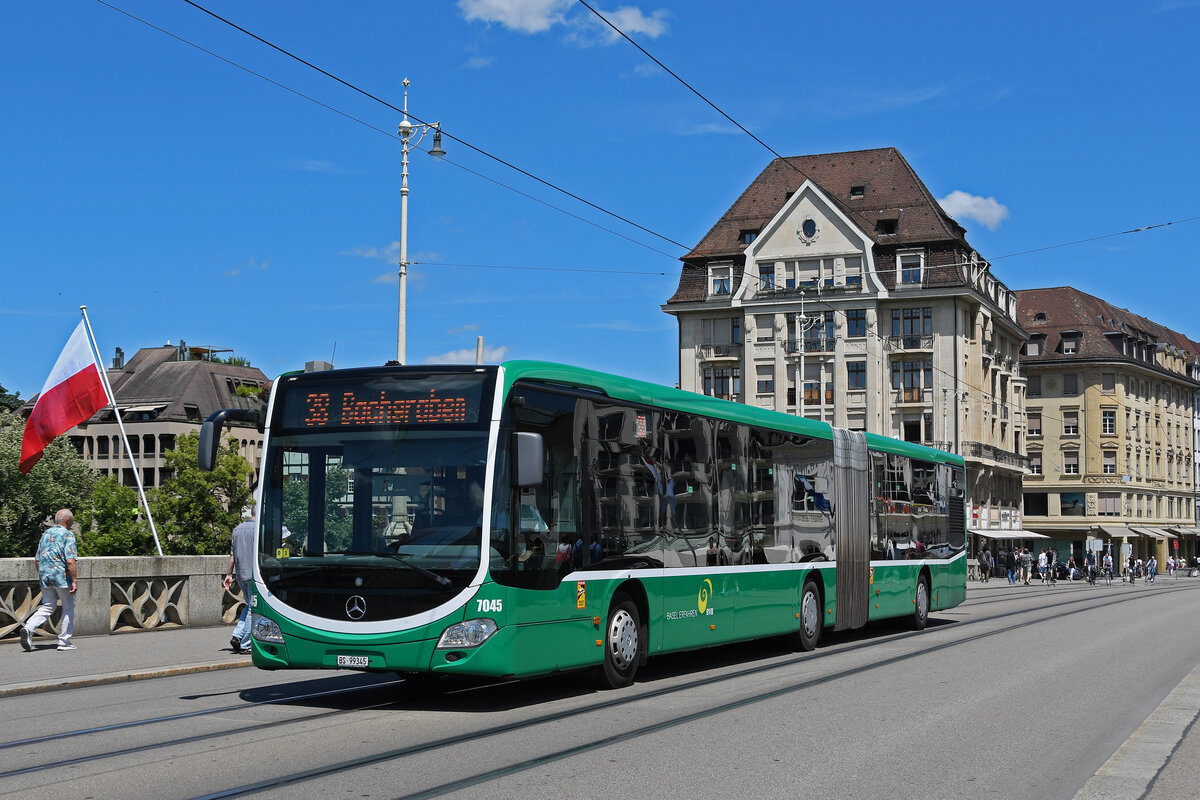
{"type": "Point", "coordinates": [112, 399]}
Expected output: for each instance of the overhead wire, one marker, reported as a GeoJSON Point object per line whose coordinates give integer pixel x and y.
{"type": "Point", "coordinates": [444, 131]}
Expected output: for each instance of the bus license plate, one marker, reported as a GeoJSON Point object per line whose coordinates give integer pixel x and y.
{"type": "Point", "coordinates": [352, 661]}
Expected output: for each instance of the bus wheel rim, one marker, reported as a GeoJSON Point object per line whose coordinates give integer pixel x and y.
{"type": "Point", "coordinates": [623, 639]}
{"type": "Point", "coordinates": [810, 614]}
{"type": "Point", "coordinates": [922, 599]}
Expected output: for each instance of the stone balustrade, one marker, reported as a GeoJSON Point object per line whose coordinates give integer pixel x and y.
{"type": "Point", "coordinates": [126, 593]}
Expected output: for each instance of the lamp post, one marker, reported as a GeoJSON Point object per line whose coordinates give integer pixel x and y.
{"type": "Point", "coordinates": [407, 131]}
{"type": "Point", "coordinates": [804, 324]}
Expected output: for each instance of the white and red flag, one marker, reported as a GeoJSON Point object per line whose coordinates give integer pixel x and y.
{"type": "Point", "coordinates": [72, 394]}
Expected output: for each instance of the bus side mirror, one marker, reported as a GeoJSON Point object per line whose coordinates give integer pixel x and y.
{"type": "Point", "coordinates": [210, 433]}
{"type": "Point", "coordinates": [527, 459]}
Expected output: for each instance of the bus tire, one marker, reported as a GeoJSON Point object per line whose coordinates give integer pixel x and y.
{"type": "Point", "coordinates": [920, 616]}
{"type": "Point", "coordinates": [622, 643]}
{"type": "Point", "coordinates": [809, 633]}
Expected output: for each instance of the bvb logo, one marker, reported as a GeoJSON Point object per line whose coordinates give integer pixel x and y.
{"type": "Point", "coordinates": [705, 591]}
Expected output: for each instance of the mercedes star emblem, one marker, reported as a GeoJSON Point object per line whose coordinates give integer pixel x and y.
{"type": "Point", "coordinates": [356, 607]}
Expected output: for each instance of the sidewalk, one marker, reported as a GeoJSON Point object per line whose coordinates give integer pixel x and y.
{"type": "Point", "coordinates": [115, 659]}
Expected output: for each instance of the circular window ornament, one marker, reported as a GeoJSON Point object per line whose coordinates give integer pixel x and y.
{"type": "Point", "coordinates": [808, 230]}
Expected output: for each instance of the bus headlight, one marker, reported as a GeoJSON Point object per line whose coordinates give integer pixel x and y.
{"type": "Point", "coordinates": [265, 630]}
{"type": "Point", "coordinates": [471, 633]}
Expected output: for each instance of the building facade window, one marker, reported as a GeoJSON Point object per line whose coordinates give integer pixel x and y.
{"type": "Point", "coordinates": [1108, 382]}
{"type": "Point", "coordinates": [1108, 422]}
{"type": "Point", "coordinates": [912, 321]}
{"type": "Point", "coordinates": [1035, 463]}
{"type": "Point", "coordinates": [1110, 462]}
{"type": "Point", "coordinates": [1070, 385]}
{"type": "Point", "coordinates": [856, 322]}
{"type": "Point", "coordinates": [766, 277]}
{"type": "Point", "coordinates": [1108, 504]}
{"type": "Point", "coordinates": [856, 374]}
{"type": "Point", "coordinates": [1035, 423]}
{"type": "Point", "coordinates": [1033, 386]}
{"type": "Point", "coordinates": [1070, 423]}
{"type": "Point", "coordinates": [1070, 462]}
{"type": "Point", "coordinates": [723, 382]}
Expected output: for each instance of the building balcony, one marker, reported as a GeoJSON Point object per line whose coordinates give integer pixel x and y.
{"type": "Point", "coordinates": [809, 344]}
{"type": "Point", "coordinates": [911, 343]}
{"type": "Point", "coordinates": [719, 352]}
{"type": "Point", "coordinates": [981, 451]}
{"type": "Point", "coordinates": [913, 396]}
{"type": "Point", "coordinates": [829, 286]}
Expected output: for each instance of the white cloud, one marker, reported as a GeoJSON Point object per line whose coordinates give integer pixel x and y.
{"type": "Point", "coordinates": [462, 329]}
{"type": "Point", "coordinates": [539, 16]}
{"type": "Point", "coordinates": [987, 211]}
{"type": "Point", "coordinates": [467, 356]}
{"type": "Point", "coordinates": [524, 16]}
{"type": "Point", "coordinates": [478, 62]}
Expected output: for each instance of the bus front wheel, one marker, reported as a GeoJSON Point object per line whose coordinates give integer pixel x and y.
{"type": "Point", "coordinates": [809, 634]}
{"type": "Point", "coordinates": [622, 643]}
{"type": "Point", "coordinates": [921, 601]}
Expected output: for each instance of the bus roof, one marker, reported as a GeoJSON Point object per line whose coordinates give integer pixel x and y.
{"type": "Point", "coordinates": [635, 391]}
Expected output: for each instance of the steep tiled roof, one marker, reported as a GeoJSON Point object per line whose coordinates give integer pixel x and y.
{"type": "Point", "coordinates": [1102, 326]}
{"type": "Point", "coordinates": [891, 190]}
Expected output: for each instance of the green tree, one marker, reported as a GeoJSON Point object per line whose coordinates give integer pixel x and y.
{"type": "Point", "coordinates": [337, 526]}
{"type": "Point", "coordinates": [61, 479]}
{"type": "Point", "coordinates": [10, 401]}
{"type": "Point", "coordinates": [112, 525]}
{"type": "Point", "coordinates": [196, 511]}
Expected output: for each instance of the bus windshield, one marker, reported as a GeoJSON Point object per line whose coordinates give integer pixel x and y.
{"type": "Point", "coordinates": [382, 509]}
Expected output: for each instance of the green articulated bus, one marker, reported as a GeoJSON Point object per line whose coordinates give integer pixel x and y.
{"type": "Point", "coordinates": [528, 518]}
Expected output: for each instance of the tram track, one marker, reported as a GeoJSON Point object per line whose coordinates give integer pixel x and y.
{"type": "Point", "coordinates": [1085, 605]}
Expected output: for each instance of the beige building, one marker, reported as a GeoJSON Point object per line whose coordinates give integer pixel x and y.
{"type": "Point", "coordinates": [164, 392]}
{"type": "Point", "coordinates": [1111, 425]}
{"type": "Point", "coordinates": [837, 288]}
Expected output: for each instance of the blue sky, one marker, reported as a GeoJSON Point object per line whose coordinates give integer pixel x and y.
{"type": "Point", "coordinates": [178, 195]}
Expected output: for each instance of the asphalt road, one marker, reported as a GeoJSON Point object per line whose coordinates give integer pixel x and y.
{"type": "Point", "coordinates": [1023, 692]}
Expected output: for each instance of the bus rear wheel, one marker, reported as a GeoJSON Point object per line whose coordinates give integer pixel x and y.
{"type": "Point", "coordinates": [809, 634]}
{"type": "Point", "coordinates": [921, 601]}
{"type": "Point", "coordinates": [622, 643]}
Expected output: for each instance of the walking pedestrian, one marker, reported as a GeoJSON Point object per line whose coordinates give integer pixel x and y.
{"type": "Point", "coordinates": [241, 567]}
{"type": "Point", "coordinates": [56, 555]}
{"type": "Point", "coordinates": [1052, 565]}
{"type": "Point", "coordinates": [1043, 560]}
{"type": "Point", "coordinates": [1026, 565]}
{"type": "Point", "coordinates": [985, 564]}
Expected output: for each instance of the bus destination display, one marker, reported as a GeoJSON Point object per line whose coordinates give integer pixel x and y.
{"type": "Point", "coordinates": [391, 403]}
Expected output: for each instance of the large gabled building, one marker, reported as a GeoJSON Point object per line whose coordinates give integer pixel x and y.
{"type": "Point", "coordinates": [1112, 410]}
{"type": "Point", "coordinates": [836, 287]}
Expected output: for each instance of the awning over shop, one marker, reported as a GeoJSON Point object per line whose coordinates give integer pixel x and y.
{"type": "Point", "coordinates": [1012, 534]}
{"type": "Point", "coordinates": [1154, 533]}
{"type": "Point", "coordinates": [1185, 531]}
{"type": "Point", "coordinates": [1120, 531]}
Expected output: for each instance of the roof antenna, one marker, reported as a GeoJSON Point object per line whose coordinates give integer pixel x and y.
{"type": "Point", "coordinates": [331, 357]}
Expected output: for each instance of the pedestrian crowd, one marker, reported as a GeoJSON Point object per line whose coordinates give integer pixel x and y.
{"type": "Point", "coordinates": [1021, 566]}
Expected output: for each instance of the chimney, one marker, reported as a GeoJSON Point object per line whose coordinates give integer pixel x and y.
{"type": "Point", "coordinates": [119, 359]}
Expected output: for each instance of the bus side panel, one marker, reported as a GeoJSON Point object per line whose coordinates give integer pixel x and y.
{"type": "Point", "coordinates": [767, 603]}
{"type": "Point", "coordinates": [893, 587]}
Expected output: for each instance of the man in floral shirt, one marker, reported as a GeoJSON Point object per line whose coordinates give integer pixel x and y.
{"type": "Point", "coordinates": [56, 572]}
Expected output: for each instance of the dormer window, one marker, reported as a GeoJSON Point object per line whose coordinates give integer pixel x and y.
{"type": "Point", "coordinates": [1040, 316]}
{"type": "Point", "coordinates": [720, 281]}
{"type": "Point", "coordinates": [910, 266]}
{"type": "Point", "coordinates": [1070, 342]}
{"type": "Point", "coordinates": [857, 192]}
{"type": "Point", "coordinates": [747, 236]}
{"type": "Point", "coordinates": [887, 227]}
{"type": "Point", "coordinates": [1034, 346]}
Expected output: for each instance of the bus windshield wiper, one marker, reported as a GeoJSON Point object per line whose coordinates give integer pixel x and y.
{"type": "Point", "coordinates": [441, 580]}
